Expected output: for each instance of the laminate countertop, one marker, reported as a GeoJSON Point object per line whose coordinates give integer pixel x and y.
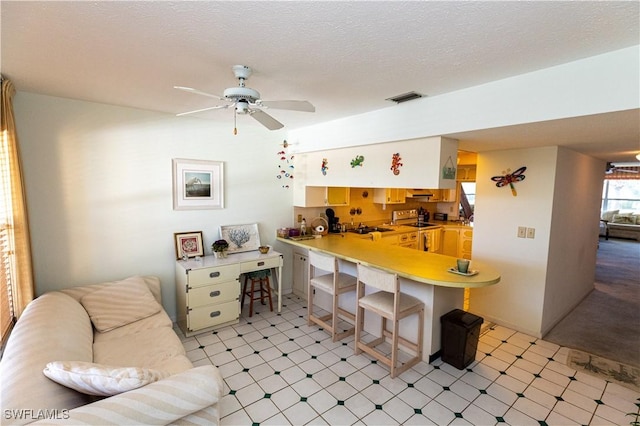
{"type": "Point", "coordinates": [420, 266]}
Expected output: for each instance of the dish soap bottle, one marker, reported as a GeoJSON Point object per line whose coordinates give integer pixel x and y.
{"type": "Point", "coordinates": [303, 227]}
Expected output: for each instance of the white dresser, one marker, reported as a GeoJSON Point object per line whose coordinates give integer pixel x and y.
{"type": "Point", "coordinates": [208, 289]}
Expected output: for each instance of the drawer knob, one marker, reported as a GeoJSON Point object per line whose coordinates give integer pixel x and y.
{"type": "Point", "coordinates": [260, 263]}
{"type": "Point", "coordinates": [214, 293]}
{"type": "Point", "coordinates": [214, 274]}
{"type": "Point", "coordinates": [214, 314]}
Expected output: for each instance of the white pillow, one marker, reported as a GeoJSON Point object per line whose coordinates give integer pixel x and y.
{"type": "Point", "coordinates": [120, 304]}
{"type": "Point", "coordinates": [98, 379]}
{"type": "Point", "coordinates": [608, 215]}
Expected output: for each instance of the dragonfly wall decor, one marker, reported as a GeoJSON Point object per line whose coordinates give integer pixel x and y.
{"type": "Point", "coordinates": [509, 178]}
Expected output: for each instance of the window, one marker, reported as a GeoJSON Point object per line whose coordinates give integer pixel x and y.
{"type": "Point", "coordinates": [621, 194]}
{"type": "Point", "coordinates": [6, 304]}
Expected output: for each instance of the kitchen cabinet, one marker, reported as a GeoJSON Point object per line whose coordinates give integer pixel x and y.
{"type": "Point", "coordinates": [457, 241]}
{"type": "Point", "coordinates": [320, 196]}
{"type": "Point", "coordinates": [389, 195]}
{"type": "Point", "coordinates": [300, 273]}
{"type": "Point", "coordinates": [466, 173]}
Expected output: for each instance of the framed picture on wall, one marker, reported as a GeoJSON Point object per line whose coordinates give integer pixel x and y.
{"type": "Point", "coordinates": [189, 243]}
{"type": "Point", "coordinates": [241, 237]}
{"type": "Point", "coordinates": [198, 184]}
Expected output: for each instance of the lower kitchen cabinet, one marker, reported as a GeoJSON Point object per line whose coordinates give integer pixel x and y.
{"type": "Point", "coordinates": [457, 241]}
{"type": "Point", "coordinates": [300, 273]}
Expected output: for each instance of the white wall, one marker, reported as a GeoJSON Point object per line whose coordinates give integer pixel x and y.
{"type": "Point", "coordinates": [595, 85]}
{"type": "Point", "coordinates": [545, 277]}
{"type": "Point", "coordinates": [99, 188]}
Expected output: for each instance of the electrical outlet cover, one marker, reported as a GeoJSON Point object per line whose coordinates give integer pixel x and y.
{"type": "Point", "coordinates": [522, 232]}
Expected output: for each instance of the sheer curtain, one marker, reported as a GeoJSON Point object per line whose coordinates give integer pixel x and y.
{"type": "Point", "coordinates": [15, 250]}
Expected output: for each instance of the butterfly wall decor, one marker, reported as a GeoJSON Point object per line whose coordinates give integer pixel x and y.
{"type": "Point", "coordinates": [509, 178]}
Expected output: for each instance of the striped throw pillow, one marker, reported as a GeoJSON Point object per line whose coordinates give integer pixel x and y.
{"type": "Point", "coordinates": [98, 379]}
{"type": "Point", "coordinates": [120, 304]}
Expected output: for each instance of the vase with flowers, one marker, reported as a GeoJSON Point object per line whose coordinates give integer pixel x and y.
{"type": "Point", "coordinates": [220, 248]}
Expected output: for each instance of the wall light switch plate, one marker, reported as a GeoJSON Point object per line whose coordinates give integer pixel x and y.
{"type": "Point", "coordinates": [522, 232]}
{"type": "Point", "coordinates": [531, 232]}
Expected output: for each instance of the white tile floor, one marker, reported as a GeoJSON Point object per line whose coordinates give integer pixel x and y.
{"type": "Point", "coordinates": [279, 371]}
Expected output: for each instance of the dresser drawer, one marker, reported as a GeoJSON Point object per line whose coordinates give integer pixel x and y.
{"type": "Point", "coordinates": [209, 316]}
{"type": "Point", "coordinates": [208, 276]}
{"type": "Point", "coordinates": [256, 265]}
{"type": "Point", "coordinates": [217, 293]}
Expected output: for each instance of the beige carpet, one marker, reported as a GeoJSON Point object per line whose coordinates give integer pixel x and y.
{"type": "Point", "coordinates": [612, 371]}
{"type": "Point", "coordinates": [607, 322]}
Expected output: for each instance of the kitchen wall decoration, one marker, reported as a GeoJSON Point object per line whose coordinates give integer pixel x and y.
{"type": "Point", "coordinates": [449, 171]}
{"type": "Point", "coordinates": [324, 166]}
{"type": "Point", "coordinates": [358, 161]}
{"type": "Point", "coordinates": [197, 184]}
{"type": "Point", "coordinates": [188, 244]}
{"type": "Point", "coordinates": [395, 163]}
{"type": "Point", "coordinates": [510, 178]}
{"type": "Point", "coordinates": [285, 166]}
{"type": "Point", "coordinates": [241, 237]}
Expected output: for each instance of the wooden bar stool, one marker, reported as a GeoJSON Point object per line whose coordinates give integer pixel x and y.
{"type": "Point", "coordinates": [325, 276]}
{"type": "Point", "coordinates": [259, 284]}
{"type": "Point", "coordinates": [392, 306]}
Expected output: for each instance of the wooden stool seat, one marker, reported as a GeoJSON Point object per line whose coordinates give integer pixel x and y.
{"type": "Point", "coordinates": [259, 284]}
{"type": "Point", "coordinates": [392, 305]}
{"type": "Point", "coordinates": [325, 276]}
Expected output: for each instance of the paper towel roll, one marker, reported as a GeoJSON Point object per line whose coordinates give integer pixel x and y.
{"type": "Point", "coordinates": [375, 236]}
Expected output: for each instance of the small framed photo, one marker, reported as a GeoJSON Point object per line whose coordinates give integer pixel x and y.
{"type": "Point", "coordinates": [189, 243]}
{"type": "Point", "coordinates": [241, 237]}
{"type": "Point", "coordinates": [198, 184]}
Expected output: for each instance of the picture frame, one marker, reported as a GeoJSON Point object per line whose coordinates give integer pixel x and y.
{"type": "Point", "coordinates": [197, 184]}
{"type": "Point", "coordinates": [241, 237]}
{"type": "Point", "coordinates": [189, 243]}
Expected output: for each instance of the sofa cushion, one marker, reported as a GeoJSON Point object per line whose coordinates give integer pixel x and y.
{"type": "Point", "coordinates": [53, 326]}
{"type": "Point", "coordinates": [98, 379]}
{"type": "Point", "coordinates": [119, 304]}
{"type": "Point", "coordinates": [608, 215]}
{"type": "Point", "coordinates": [624, 218]}
{"type": "Point", "coordinates": [148, 349]}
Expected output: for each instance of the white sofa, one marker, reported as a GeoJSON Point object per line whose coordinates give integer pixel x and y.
{"type": "Point", "coordinates": [137, 358]}
{"type": "Point", "coordinates": [618, 224]}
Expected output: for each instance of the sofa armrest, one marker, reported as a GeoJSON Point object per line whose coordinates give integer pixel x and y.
{"type": "Point", "coordinates": [158, 403]}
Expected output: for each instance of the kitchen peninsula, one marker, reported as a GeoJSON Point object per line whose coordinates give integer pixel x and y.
{"type": "Point", "coordinates": [422, 274]}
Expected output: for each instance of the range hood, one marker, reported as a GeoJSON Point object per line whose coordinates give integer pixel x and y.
{"type": "Point", "coordinates": [419, 193]}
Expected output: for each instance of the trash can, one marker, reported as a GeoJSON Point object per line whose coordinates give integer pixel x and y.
{"type": "Point", "coordinates": [460, 333]}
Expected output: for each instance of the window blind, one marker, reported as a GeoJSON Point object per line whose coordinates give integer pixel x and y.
{"type": "Point", "coordinates": [7, 316]}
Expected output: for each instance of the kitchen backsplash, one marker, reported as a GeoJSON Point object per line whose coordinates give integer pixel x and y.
{"type": "Point", "coordinates": [361, 200]}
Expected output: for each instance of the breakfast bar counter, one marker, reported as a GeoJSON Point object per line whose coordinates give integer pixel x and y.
{"type": "Point", "coordinates": [422, 274]}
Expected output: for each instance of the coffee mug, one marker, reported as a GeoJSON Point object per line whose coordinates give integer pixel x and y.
{"type": "Point", "coordinates": [463, 265]}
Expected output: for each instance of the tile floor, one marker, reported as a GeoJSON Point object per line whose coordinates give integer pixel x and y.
{"type": "Point", "coordinates": [279, 371]}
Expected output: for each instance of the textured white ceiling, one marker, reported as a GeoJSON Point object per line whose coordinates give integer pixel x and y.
{"type": "Point", "coordinates": [344, 57]}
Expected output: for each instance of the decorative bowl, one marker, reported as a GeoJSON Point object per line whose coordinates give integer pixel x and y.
{"type": "Point", "coordinates": [264, 249]}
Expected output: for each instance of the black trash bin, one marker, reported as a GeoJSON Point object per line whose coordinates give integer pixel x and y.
{"type": "Point", "coordinates": [460, 333]}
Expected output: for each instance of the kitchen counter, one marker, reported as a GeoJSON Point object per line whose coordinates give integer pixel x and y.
{"type": "Point", "coordinates": [419, 266]}
{"type": "Point", "coordinates": [423, 275]}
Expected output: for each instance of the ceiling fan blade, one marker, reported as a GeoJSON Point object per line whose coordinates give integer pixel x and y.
{"type": "Point", "coordinates": [304, 106]}
{"type": "Point", "coordinates": [266, 120]}
{"type": "Point", "coordinates": [198, 92]}
{"type": "Point", "coordinates": [201, 110]}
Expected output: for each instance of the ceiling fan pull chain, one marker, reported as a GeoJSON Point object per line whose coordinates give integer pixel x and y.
{"type": "Point", "coordinates": [235, 118]}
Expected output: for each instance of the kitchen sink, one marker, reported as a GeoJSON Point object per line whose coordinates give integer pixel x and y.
{"type": "Point", "coordinates": [368, 229]}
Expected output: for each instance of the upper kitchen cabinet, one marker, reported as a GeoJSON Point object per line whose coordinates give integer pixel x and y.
{"type": "Point", "coordinates": [416, 163]}
{"type": "Point", "coordinates": [320, 196]}
{"type": "Point", "coordinates": [389, 195]}
{"type": "Point", "coordinates": [467, 173]}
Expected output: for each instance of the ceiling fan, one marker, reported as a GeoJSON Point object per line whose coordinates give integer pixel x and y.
{"type": "Point", "coordinates": [246, 101]}
{"type": "Point", "coordinates": [620, 167]}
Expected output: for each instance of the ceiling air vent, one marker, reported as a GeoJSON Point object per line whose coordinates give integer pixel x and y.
{"type": "Point", "coordinates": [409, 96]}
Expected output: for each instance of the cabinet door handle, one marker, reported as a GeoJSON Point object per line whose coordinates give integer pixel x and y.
{"type": "Point", "coordinates": [214, 293]}
{"type": "Point", "coordinates": [260, 263]}
{"type": "Point", "coordinates": [214, 314]}
{"type": "Point", "coordinates": [214, 274]}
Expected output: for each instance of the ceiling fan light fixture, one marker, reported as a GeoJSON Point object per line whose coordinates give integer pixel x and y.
{"type": "Point", "coordinates": [638, 156]}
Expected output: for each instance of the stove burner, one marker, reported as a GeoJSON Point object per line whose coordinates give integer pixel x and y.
{"type": "Point", "coordinates": [421, 224]}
